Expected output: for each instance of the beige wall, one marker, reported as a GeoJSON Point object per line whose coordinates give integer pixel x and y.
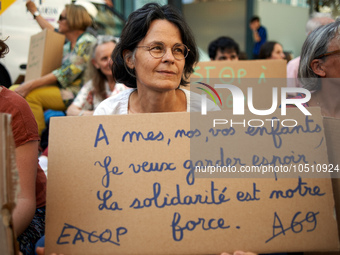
{"type": "Point", "coordinates": [210, 20]}
{"type": "Point", "coordinates": [284, 23]}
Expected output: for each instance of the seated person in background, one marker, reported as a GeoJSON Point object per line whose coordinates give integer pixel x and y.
{"type": "Point", "coordinates": [224, 48]}
{"type": "Point", "coordinates": [271, 50]}
{"type": "Point", "coordinates": [319, 68]}
{"type": "Point", "coordinates": [57, 89]}
{"type": "Point", "coordinates": [29, 212]}
{"type": "Point", "coordinates": [102, 83]}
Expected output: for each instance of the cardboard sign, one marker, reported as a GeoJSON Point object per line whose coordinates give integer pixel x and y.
{"type": "Point", "coordinates": [8, 187]}
{"type": "Point", "coordinates": [45, 54]}
{"type": "Point", "coordinates": [126, 185]}
{"type": "Point", "coordinates": [230, 71]}
{"type": "Point", "coordinates": [261, 75]}
{"type": "Point", "coordinates": [332, 133]}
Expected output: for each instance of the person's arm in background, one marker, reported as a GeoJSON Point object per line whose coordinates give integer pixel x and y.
{"type": "Point", "coordinates": [70, 69]}
{"type": "Point", "coordinates": [83, 99]}
{"type": "Point", "coordinates": [27, 163]}
{"type": "Point", "coordinates": [109, 3]}
{"type": "Point", "coordinates": [74, 110]}
{"type": "Point", "coordinates": [256, 36]}
{"type": "Point", "coordinates": [43, 23]}
{"type": "Point", "coordinates": [28, 86]}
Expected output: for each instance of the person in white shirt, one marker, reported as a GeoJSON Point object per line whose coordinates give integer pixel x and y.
{"type": "Point", "coordinates": [154, 57]}
{"type": "Point", "coordinates": [102, 84]}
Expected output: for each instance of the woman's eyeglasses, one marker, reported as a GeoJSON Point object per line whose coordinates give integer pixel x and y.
{"type": "Point", "coordinates": [157, 50]}
{"type": "Point", "coordinates": [61, 18]}
{"type": "Point", "coordinates": [328, 54]}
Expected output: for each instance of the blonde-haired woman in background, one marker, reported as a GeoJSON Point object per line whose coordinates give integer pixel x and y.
{"type": "Point", "coordinates": [57, 89]}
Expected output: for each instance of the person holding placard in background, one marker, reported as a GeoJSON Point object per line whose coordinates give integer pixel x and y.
{"type": "Point", "coordinates": [29, 212]}
{"type": "Point", "coordinates": [103, 17]}
{"type": "Point", "coordinates": [100, 85]}
{"type": "Point", "coordinates": [45, 24]}
{"type": "Point", "coordinates": [57, 89]}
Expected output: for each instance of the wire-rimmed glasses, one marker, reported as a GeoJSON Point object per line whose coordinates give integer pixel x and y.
{"type": "Point", "coordinates": [157, 50]}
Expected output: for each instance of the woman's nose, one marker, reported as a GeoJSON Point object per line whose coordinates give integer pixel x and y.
{"type": "Point", "coordinates": [169, 56]}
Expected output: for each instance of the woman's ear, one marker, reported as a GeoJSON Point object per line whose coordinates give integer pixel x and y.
{"type": "Point", "coordinates": [317, 67]}
{"type": "Point", "coordinates": [128, 58]}
{"type": "Point", "coordinates": [94, 63]}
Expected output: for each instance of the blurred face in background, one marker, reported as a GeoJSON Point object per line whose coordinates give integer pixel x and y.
{"type": "Point", "coordinates": [103, 56]}
{"type": "Point", "coordinates": [277, 52]}
{"type": "Point", "coordinates": [63, 25]}
{"type": "Point", "coordinates": [254, 25]}
{"type": "Point", "coordinates": [227, 54]}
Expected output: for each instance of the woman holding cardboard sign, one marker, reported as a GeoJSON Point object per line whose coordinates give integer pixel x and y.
{"type": "Point", "coordinates": [155, 55]}
{"type": "Point", "coordinates": [57, 89]}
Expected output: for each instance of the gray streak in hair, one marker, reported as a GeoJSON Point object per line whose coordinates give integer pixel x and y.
{"type": "Point", "coordinates": [318, 19]}
{"type": "Point", "coordinates": [315, 45]}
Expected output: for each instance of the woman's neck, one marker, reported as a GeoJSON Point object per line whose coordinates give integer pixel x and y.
{"type": "Point", "coordinates": [170, 101]}
{"type": "Point", "coordinates": [73, 37]}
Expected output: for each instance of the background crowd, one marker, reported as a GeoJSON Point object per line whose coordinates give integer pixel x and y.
{"type": "Point", "coordinates": [141, 72]}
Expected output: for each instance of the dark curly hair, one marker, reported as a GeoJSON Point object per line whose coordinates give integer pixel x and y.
{"type": "Point", "coordinates": [3, 48]}
{"type": "Point", "coordinates": [136, 29]}
{"type": "Point", "coordinates": [222, 43]}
